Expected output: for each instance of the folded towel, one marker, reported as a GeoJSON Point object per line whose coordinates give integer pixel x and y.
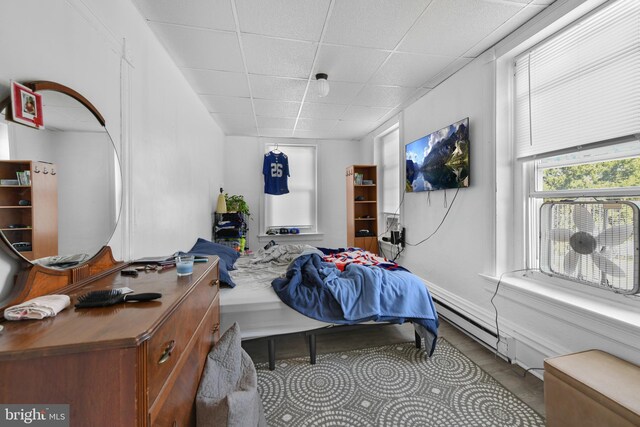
{"type": "Point", "coordinates": [38, 308]}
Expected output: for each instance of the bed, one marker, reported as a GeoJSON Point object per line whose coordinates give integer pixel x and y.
{"type": "Point", "coordinates": [255, 305]}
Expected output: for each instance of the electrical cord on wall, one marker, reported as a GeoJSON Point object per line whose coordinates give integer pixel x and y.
{"type": "Point", "coordinates": [495, 293]}
{"type": "Point", "coordinates": [394, 213]}
{"type": "Point", "coordinates": [439, 225]}
{"type": "Point", "coordinates": [495, 309]}
{"type": "Point", "coordinates": [388, 228]}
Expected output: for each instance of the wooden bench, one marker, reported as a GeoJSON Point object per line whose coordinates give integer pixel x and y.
{"type": "Point", "coordinates": [591, 389]}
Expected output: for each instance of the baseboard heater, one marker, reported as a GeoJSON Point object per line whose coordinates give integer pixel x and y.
{"type": "Point", "coordinates": [470, 327]}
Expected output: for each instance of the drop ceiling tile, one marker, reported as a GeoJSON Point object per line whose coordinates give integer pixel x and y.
{"type": "Point", "coordinates": [348, 63]}
{"type": "Point", "coordinates": [276, 133]}
{"type": "Point", "coordinates": [372, 23]}
{"type": "Point", "coordinates": [410, 69]}
{"type": "Point", "coordinates": [360, 113]}
{"type": "Point", "coordinates": [331, 134]}
{"type": "Point", "coordinates": [504, 30]}
{"type": "Point", "coordinates": [277, 88]}
{"type": "Point", "coordinates": [278, 57]}
{"type": "Point", "coordinates": [451, 27]}
{"type": "Point", "coordinates": [339, 93]}
{"type": "Point", "coordinates": [295, 19]}
{"type": "Point", "coordinates": [419, 93]}
{"type": "Point", "coordinates": [268, 108]}
{"type": "Point", "coordinates": [356, 126]}
{"type": "Point", "coordinates": [446, 72]}
{"type": "Point", "coordinates": [236, 124]}
{"type": "Point", "coordinates": [215, 14]}
{"type": "Point", "coordinates": [275, 123]}
{"type": "Point", "coordinates": [316, 124]}
{"type": "Point", "coordinates": [383, 96]}
{"type": "Point", "coordinates": [227, 104]}
{"type": "Point", "coordinates": [311, 110]}
{"type": "Point", "coordinates": [197, 48]}
{"type": "Point", "coordinates": [209, 82]}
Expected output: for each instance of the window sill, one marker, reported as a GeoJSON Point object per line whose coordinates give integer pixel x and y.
{"type": "Point", "coordinates": [558, 296]}
{"type": "Point", "coordinates": [291, 237]}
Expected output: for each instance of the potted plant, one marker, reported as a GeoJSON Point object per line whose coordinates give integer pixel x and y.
{"type": "Point", "coordinates": [236, 203]}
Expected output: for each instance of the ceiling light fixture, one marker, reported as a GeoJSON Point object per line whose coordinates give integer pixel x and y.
{"type": "Point", "coordinates": [323, 85]}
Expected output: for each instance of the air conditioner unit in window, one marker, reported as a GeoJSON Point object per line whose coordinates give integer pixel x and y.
{"type": "Point", "coordinates": [594, 243]}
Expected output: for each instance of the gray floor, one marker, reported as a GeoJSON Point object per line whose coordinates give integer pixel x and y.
{"type": "Point", "coordinates": [527, 387]}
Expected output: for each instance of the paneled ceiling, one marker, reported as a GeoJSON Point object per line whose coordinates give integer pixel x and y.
{"type": "Point", "coordinates": [253, 62]}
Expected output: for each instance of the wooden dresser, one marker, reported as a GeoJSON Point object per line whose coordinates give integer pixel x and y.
{"type": "Point", "coordinates": [132, 364]}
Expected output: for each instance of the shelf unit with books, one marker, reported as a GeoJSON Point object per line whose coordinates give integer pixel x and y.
{"type": "Point", "coordinates": [362, 207]}
{"type": "Point", "coordinates": [29, 210]}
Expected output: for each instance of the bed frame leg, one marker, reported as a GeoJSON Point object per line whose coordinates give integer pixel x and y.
{"type": "Point", "coordinates": [312, 349]}
{"type": "Point", "coordinates": [418, 340]}
{"type": "Point", "coordinates": [272, 353]}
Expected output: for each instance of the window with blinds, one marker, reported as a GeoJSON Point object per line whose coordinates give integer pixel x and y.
{"type": "Point", "coordinates": [582, 85]}
{"type": "Point", "coordinates": [389, 170]}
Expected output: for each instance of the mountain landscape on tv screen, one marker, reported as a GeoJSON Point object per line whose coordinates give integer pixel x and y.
{"type": "Point", "coordinates": [446, 159]}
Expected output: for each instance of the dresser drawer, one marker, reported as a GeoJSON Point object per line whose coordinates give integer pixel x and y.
{"type": "Point", "coordinates": [168, 343]}
{"type": "Point", "coordinates": [175, 406]}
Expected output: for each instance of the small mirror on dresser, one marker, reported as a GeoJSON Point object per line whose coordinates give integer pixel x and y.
{"type": "Point", "coordinates": [60, 192]}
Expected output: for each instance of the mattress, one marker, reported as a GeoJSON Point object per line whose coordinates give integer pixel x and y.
{"type": "Point", "coordinates": [258, 310]}
{"type": "Point", "coordinates": [256, 307]}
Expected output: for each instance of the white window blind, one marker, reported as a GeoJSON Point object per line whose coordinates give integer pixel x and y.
{"type": "Point", "coordinates": [581, 86]}
{"type": "Point", "coordinates": [390, 172]}
{"type": "Point", "coordinates": [298, 207]}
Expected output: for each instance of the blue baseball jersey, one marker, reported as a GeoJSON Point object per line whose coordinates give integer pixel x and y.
{"type": "Point", "coordinates": [275, 169]}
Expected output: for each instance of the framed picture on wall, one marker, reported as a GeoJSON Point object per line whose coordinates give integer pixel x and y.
{"type": "Point", "coordinates": [26, 106]}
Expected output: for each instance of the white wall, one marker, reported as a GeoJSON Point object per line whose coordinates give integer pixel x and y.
{"type": "Point", "coordinates": [170, 146]}
{"type": "Point", "coordinates": [451, 260]}
{"type": "Point", "coordinates": [463, 246]}
{"type": "Point", "coordinates": [458, 263]}
{"type": "Point", "coordinates": [243, 175]}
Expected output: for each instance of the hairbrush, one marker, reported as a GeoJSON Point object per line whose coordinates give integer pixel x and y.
{"type": "Point", "coordinates": [110, 297]}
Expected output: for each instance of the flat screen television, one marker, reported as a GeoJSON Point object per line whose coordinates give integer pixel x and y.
{"type": "Point", "coordinates": [439, 160]}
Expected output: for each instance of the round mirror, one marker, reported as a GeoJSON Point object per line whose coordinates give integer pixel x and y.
{"type": "Point", "coordinates": [60, 185]}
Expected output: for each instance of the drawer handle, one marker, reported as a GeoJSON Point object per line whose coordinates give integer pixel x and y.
{"type": "Point", "coordinates": [167, 352]}
{"type": "Point", "coordinates": [215, 282]}
{"type": "Point", "coordinates": [215, 329]}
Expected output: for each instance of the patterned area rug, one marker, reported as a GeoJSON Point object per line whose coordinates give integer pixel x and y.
{"type": "Point", "coordinates": [394, 385]}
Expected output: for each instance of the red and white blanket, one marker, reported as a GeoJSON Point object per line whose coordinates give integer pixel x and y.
{"type": "Point", "coordinates": [358, 256]}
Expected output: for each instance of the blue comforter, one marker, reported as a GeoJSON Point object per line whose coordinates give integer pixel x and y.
{"type": "Point", "coordinates": [358, 294]}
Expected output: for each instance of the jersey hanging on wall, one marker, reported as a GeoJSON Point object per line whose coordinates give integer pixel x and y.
{"type": "Point", "coordinates": [276, 172]}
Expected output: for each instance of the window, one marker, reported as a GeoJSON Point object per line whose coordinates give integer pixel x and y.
{"type": "Point", "coordinates": [598, 174]}
{"type": "Point", "coordinates": [576, 110]}
{"type": "Point", "coordinates": [580, 87]}
{"type": "Point", "coordinates": [296, 209]}
{"type": "Point", "coordinates": [387, 159]}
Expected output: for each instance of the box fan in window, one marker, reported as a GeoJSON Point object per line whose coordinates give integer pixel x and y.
{"type": "Point", "coordinates": [593, 243]}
